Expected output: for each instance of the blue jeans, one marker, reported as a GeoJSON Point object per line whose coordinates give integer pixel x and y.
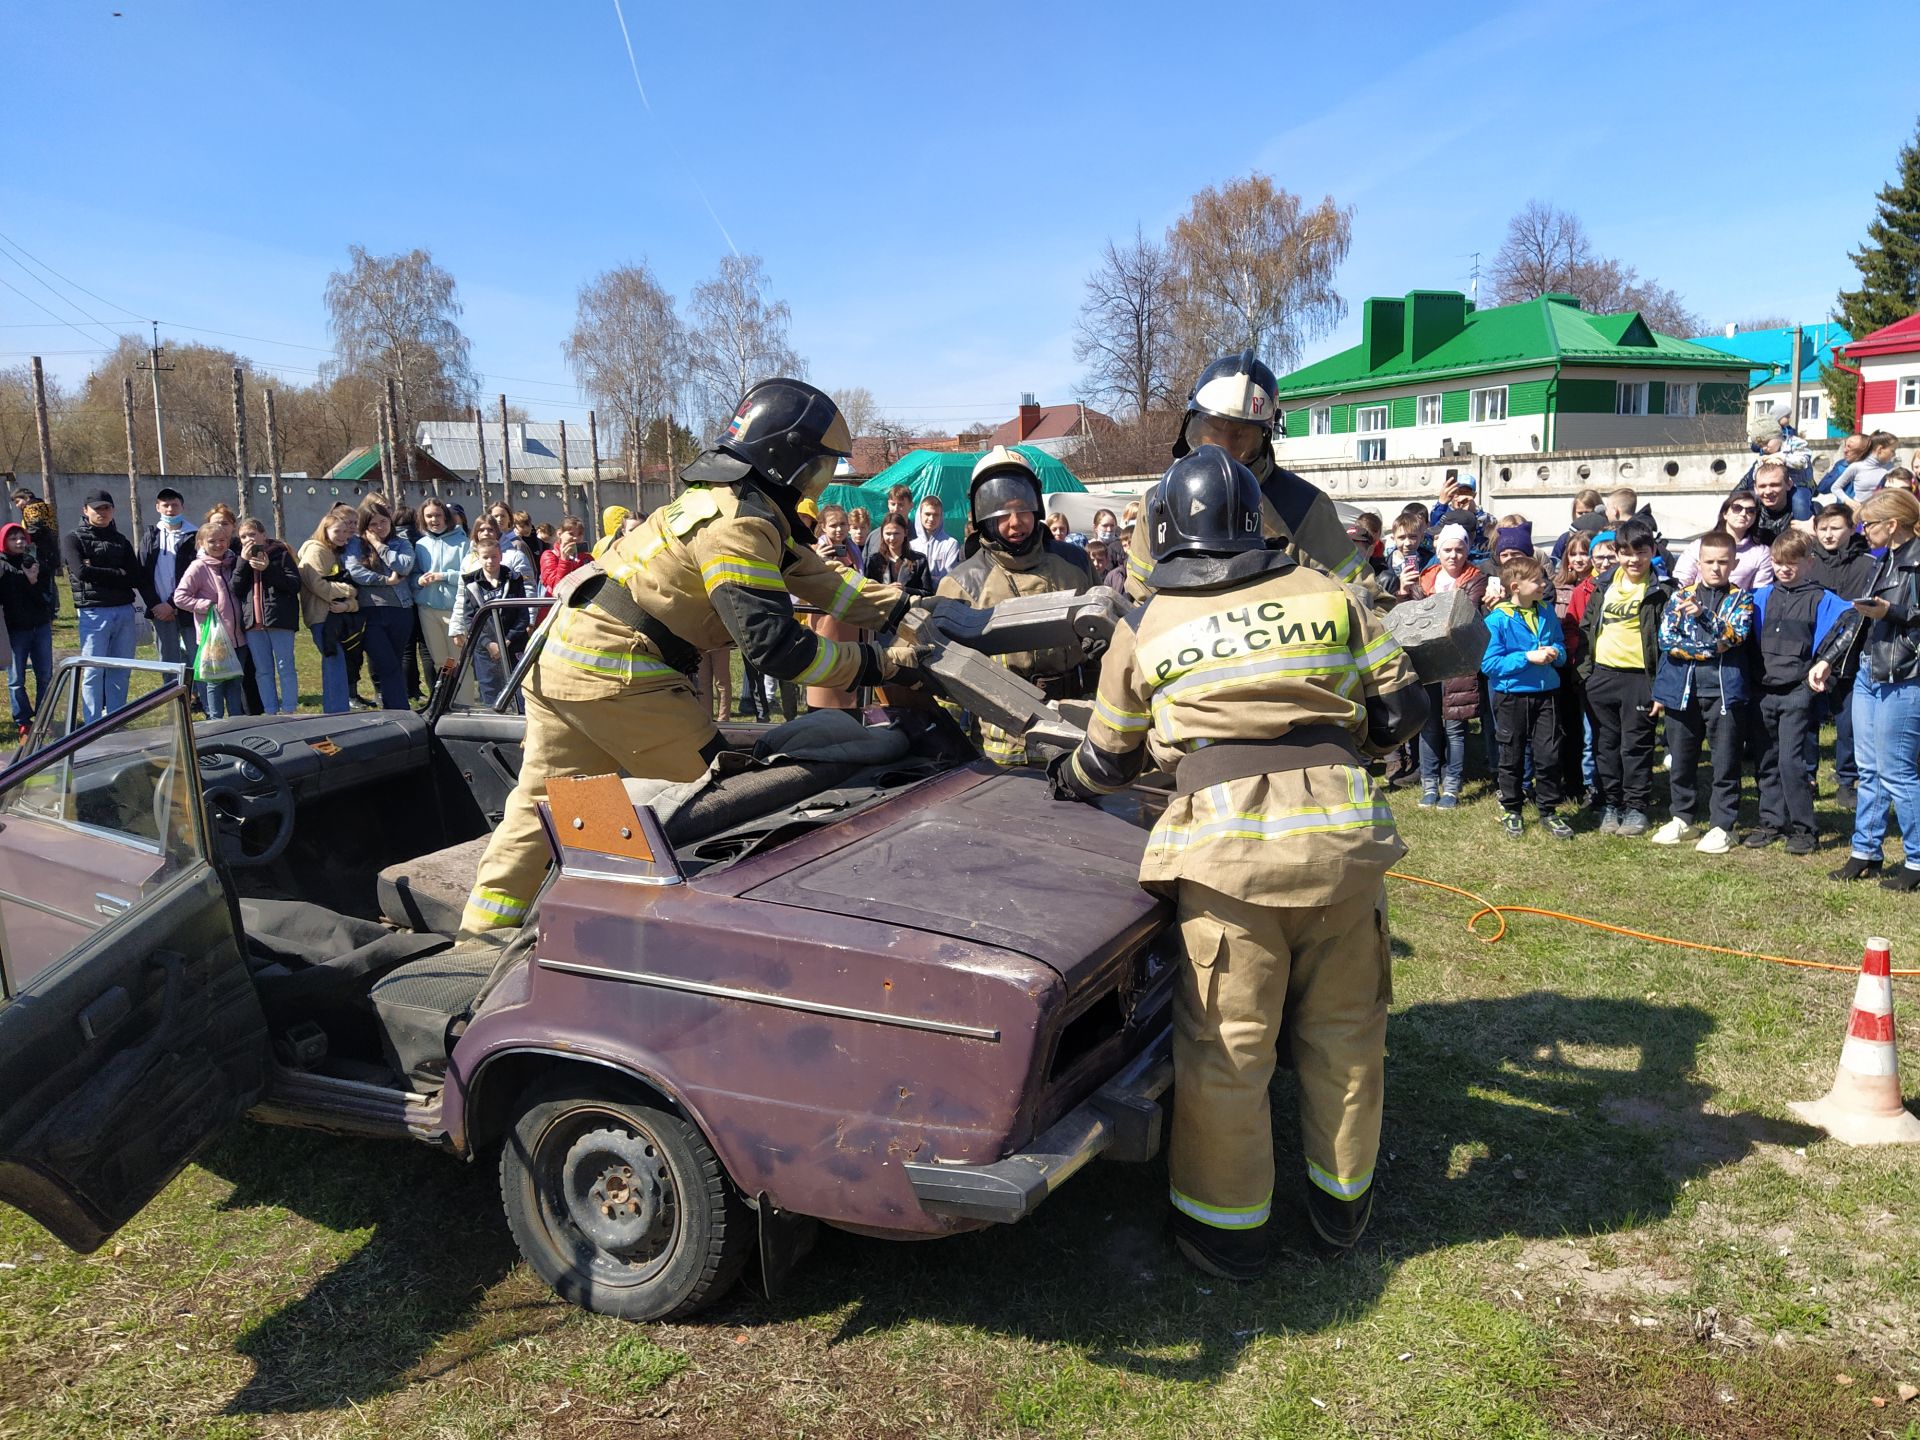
{"type": "Point", "coordinates": [178, 640]}
{"type": "Point", "coordinates": [1886, 745]}
{"type": "Point", "coordinates": [1442, 769]}
{"type": "Point", "coordinates": [225, 698]}
{"type": "Point", "coordinates": [389, 631]}
{"type": "Point", "coordinates": [273, 670]}
{"type": "Point", "coordinates": [33, 646]}
{"type": "Point", "coordinates": [106, 630]}
{"type": "Point", "coordinates": [333, 676]}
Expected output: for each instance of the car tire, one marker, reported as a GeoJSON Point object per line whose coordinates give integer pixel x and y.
{"type": "Point", "coordinates": [621, 1207]}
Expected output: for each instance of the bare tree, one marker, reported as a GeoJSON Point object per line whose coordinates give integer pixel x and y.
{"type": "Point", "coordinates": [1138, 445]}
{"type": "Point", "coordinates": [1547, 251]}
{"type": "Point", "coordinates": [398, 315]}
{"type": "Point", "coordinates": [895, 436]}
{"type": "Point", "coordinates": [857, 404]}
{"type": "Point", "coordinates": [1254, 269]}
{"type": "Point", "coordinates": [19, 445]}
{"type": "Point", "coordinates": [738, 338]}
{"type": "Point", "coordinates": [1762, 322]}
{"type": "Point", "coordinates": [1125, 332]}
{"type": "Point", "coordinates": [628, 351]}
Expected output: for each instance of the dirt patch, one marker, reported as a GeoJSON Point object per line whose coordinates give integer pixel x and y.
{"type": "Point", "coordinates": [1572, 1269]}
{"type": "Point", "coordinates": [1636, 1387]}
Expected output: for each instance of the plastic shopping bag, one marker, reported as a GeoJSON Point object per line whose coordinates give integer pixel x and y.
{"type": "Point", "coordinates": [217, 659]}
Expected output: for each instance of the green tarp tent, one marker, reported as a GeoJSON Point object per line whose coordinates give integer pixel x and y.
{"type": "Point", "coordinates": [945, 474]}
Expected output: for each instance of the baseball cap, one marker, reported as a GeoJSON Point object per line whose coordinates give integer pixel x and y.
{"type": "Point", "coordinates": [99, 497]}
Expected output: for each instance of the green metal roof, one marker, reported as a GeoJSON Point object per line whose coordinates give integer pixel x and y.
{"type": "Point", "coordinates": [1435, 334]}
{"type": "Point", "coordinates": [358, 465]}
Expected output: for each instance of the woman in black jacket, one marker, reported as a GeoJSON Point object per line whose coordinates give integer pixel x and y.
{"type": "Point", "coordinates": [29, 619]}
{"type": "Point", "coordinates": [892, 560]}
{"type": "Point", "coordinates": [266, 588]}
{"type": "Point", "coordinates": [1886, 694]}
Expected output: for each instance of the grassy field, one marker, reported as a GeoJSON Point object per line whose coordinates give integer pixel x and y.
{"type": "Point", "coordinates": [1596, 1218]}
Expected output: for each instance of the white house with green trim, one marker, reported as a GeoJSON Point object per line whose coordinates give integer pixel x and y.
{"type": "Point", "coordinates": [1434, 376]}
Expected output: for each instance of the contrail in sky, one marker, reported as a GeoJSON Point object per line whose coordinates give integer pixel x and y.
{"type": "Point", "coordinates": [634, 65]}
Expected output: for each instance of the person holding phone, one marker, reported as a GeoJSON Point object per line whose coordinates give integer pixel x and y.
{"type": "Point", "coordinates": [1884, 637]}
{"type": "Point", "coordinates": [568, 554]}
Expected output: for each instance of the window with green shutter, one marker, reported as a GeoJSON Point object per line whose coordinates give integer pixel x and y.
{"type": "Point", "coordinates": [1453, 407]}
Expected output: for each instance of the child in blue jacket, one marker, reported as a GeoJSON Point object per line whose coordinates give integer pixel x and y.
{"type": "Point", "coordinates": [1525, 648]}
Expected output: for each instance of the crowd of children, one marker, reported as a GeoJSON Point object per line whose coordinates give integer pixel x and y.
{"type": "Point", "coordinates": [1620, 660]}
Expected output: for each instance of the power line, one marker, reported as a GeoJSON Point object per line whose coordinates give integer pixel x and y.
{"type": "Point", "coordinates": [45, 311]}
{"type": "Point", "coordinates": [64, 300]}
{"type": "Point", "coordinates": [75, 283]}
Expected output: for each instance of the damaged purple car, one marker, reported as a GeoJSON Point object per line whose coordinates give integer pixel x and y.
{"type": "Point", "coordinates": [854, 976]}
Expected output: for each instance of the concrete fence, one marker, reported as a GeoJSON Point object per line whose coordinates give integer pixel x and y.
{"type": "Point", "coordinates": [306, 500]}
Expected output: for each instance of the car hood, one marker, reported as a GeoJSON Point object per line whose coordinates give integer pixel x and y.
{"type": "Point", "coordinates": [1001, 864]}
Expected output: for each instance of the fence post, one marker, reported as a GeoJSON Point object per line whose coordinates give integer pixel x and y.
{"type": "Point", "coordinates": [480, 437]}
{"type": "Point", "coordinates": [133, 459]}
{"type": "Point", "coordinates": [278, 508]}
{"type": "Point", "coordinates": [45, 435]}
{"type": "Point", "coordinates": [506, 461]}
{"type": "Point", "coordinates": [239, 441]}
{"type": "Point", "coordinates": [593, 441]}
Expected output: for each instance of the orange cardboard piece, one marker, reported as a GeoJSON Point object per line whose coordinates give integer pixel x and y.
{"type": "Point", "coordinates": [592, 812]}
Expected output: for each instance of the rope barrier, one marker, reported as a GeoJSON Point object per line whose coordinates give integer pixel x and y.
{"type": "Point", "coordinates": [1500, 913]}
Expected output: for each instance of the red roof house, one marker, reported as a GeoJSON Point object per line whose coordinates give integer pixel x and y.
{"type": "Point", "coordinates": [1053, 428]}
{"type": "Point", "coordinates": [1889, 391]}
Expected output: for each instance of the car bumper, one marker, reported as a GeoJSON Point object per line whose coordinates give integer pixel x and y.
{"type": "Point", "coordinates": [1121, 1120]}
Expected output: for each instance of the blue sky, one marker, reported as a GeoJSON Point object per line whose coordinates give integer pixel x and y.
{"type": "Point", "coordinates": [928, 185]}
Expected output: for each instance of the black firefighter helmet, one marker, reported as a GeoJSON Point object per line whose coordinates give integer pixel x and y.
{"type": "Point", "coordinates": [1204, 524]}
{"type": "Point", "coordinates": [1003, 481]}
{"type": "Point", "coordinates": [787, 432]}
{"type": "Point", "coordinates": [1241, 391]}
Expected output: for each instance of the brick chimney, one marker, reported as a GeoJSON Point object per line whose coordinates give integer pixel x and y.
{"type": "Point", "coordinates": [1029, 420]}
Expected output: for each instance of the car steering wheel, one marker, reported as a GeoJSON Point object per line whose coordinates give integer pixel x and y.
{"type": "Point", "coordinates": [258, 793]}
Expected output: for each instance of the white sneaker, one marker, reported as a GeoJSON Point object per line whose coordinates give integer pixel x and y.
{"type": "Point", "coordinates": [1715, 842]}
{"type": "Point", "coordinates": [1666, 761]}
{"type": "Point", "coordinates": [1671, 833]}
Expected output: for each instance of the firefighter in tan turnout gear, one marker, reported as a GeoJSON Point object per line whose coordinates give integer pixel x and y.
{"type": "Point", "coordinates": [611, 687]}
{"type": "Point", "coordinates": [1234, 405]}
{"type": "Point", "coordinates": [1260, 685]}
{"type": "Point", "coordinates": [1008, 554]}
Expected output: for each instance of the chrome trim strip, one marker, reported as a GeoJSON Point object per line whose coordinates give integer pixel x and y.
{"type": "Point", "coordinates": [46, 909]}
{"type": "Point", "coordinates": [566, 869]}
{"type": "Point", "coordinates": [758, 997]}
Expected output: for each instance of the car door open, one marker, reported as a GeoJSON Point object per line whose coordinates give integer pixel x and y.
{"type": "Point", "coordinates": [130, 1032]}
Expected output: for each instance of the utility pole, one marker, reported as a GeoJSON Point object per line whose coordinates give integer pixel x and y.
{"type": "Point", "coordinates": [593, 441]}
{"type": "Point", "coordinates": [133, 459]}
{"type": "Point", "coordinates": [404, 465]}
{"type": "Point", "coordinates": [40, 427]}
{"type": "Point", "coordinates": [273, 468]}
{"type": "Point", "coordinates": [506, 461]}
{"type": "Point", "coordinates": [480, 438]}
{"type": "Point", "coordinates": [1793, 417]}
{"type": "Point", "coordinates": [239, 442]}
{"type": "Point", "coordinates": [566, 505]}
{"type": "Point", "coordinates": [153, 367]}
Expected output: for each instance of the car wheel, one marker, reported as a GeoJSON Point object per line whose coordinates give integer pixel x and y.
{"type": "Point", "coordinates": [622, 1208]}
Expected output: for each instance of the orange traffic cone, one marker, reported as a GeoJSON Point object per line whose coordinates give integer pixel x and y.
{"type": "Point", "coordinates": [1863, 1107]}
